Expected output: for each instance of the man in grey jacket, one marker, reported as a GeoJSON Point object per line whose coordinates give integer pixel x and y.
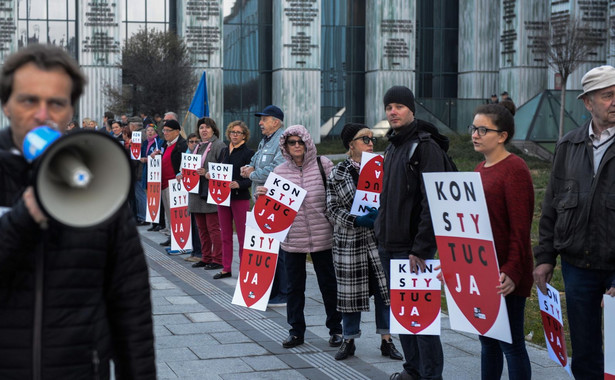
{"type": "Point", "coordinates": [577, 222]}
{"type": "Point", "coordinates": [266, 158]}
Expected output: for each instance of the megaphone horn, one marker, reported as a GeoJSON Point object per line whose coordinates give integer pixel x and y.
{"type": "Point", "coordinates": [82, 179]}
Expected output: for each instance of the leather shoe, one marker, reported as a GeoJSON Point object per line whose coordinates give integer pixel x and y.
{"type": "Point", "coordinates": [166, 243]}
{"type": "Point", "coordinates": [335, 340]}
{"type": "Point", "coordinates": [346, 349]}
{"type": "Point", "coordinates": [152, 227]}
{"type": "Point", "coordinates": [213, 266]}
{"type": "Point", "coordinates": [159, 227]}
{"type": "Point", "coordinates": [200, 264]}
{"type": "Point", "coordinates": [387, 348]}
{"type": "Point", "coordinates": [220, 275]}
{"type": "Point", "coordinates": [292, 341]}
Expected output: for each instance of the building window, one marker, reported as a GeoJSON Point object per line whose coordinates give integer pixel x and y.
{"type": "Point", "coordinates": [48, 21]}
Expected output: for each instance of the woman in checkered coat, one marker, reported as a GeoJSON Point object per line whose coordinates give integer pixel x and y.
{"type": "Point", "coordinates": [355, 255]}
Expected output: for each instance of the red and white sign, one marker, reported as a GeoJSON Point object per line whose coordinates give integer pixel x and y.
{"type": "Point", "coordinates": [153, 189]}
{"type": "Point", "coordinates": [257, 269]}
{"type": "Point", "coordinates": [135, 145]}
{"type": "Point", "coordinates": [609, 337]}
{"type": "Point", "coordinates": [552, 322]}
{"type": "Point", "coordinates": [190, 178]}
{"type": "Point", "coordinates": [181, 231]}
{"type": "Point", "coordinates": [274, 212]}
{"type": "Point", "coordinates": [415, 299]}
{"type": "Point", "coordinates": [465, 244]}
{"type": "Point", "coordinates": [369, 186]}
{"type": "Point", "coordinates": [220, 184]}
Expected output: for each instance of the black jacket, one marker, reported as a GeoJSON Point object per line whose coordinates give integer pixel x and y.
{"type": "Point", "coordinates": [404, 221]}
{"type": "Point", "coordinates": [578, 211]}
{"type": "Point", "coordinates": [239, 157]}
{"type": "Point", "coordinates": [70, 299]}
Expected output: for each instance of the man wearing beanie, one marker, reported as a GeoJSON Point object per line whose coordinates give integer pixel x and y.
{"type": "Point", "coordinates": [403, 227]}
{"type": "Point", "coordinates": [172, 148]}
{"type": "Point", "coordinates": [576, 222]}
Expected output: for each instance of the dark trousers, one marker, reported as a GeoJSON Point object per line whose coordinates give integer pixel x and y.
{"type": "Point", "coordinates": [584, 290]}
{"type": "Point", "coordinates": [279, 289]}
{"type": "Point", "coordinates": [325, 274]}
{"type": "Point", "coordinates": [491, 360]}
{"type": "Point", "coordinates": [423, 353]}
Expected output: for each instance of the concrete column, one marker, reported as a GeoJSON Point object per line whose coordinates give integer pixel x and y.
{"type": "Point", "coordinates": [200, 24]}
{"type": "Point", "coordinates": [522, 65]}
{"type": "Point", "coordinates": [296, 62]}
{"type": "Point", "coordinates": [390, 34]}
{"type": "Point", "coordinates": [99, 52]}
{"type": "Point", "coordinates": [479, 49]}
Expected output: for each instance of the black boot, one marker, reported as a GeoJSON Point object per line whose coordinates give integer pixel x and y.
{"type": "Point", "coordinates": [346, 349]}
{"type": "Point", "coordinates": [388, 349]}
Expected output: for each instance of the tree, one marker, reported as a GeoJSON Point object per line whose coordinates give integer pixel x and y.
{"type": "Point", "coordinates": [156, 75]}
{"type": "Point", "coordinates": [566, 44]}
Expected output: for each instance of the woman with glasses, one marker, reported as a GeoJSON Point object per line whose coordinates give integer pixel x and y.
{"type": "Point", "coordinates": [206, 214]}
{"type": "Point", "coordinates": [355, 254]}
{"type": "Point", "coordinates": [237, 154]}
{"type": "Point", "coordinates": [509, 194]}
{"type": "Point", "coordinates": [310, 233]}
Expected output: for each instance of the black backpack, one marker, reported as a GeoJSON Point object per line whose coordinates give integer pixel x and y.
{"type": "Point", "coordinates": [413, 162]}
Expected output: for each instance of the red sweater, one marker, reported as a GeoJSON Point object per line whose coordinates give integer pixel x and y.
{"type": "Point", "coordinates": [167, 167]}
{"type": "Point", "coordinates": [510, 199]}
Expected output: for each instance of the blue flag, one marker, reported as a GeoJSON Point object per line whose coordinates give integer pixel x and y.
{"type": "Point", "coordinates": [200, 106]}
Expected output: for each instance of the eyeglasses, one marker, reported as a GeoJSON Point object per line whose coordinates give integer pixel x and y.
{"type": "Point", "coordinates": [481, 130]}
{"type": "Point", "coordinates": [294, 142]}
{"type": "Point", "coordinates": [366, 140]}
{"type": "Point", "coordinates": [236, 132]}
{"type": "Point", "coordinates": [193, 141]}
{"type": "Point", "coordinates": [167, 130]}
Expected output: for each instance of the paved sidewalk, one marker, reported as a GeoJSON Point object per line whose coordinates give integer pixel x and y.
{"type": "Point", "coordinates": [201, 335]}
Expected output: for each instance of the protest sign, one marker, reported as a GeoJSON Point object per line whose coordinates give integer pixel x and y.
{"type": "Point", "coordinates": [153, 189]}
{"type": "Point", "coordinates": [257, 269]}
{"type": "Point", "coordinates": [609, 337]}
{"type": "Point", "coordinates": [274, 212]}
{"type": "Point", "coordinates": [135, 145]}
{"type": "Point", "coordinates": [415, 299]}
{"type": "Point", "coordinates": [220, 184]}
{"type": "Point", "coordinates": [369, 185]}
{"type": "Point", "coordinates": [190, 178]}
{"type": "Point", "coordinates": [552, 322]}
{"type": "Point", "coordinates": [465, 246]}
{"type": "Point", "coordinates": [181, 231]}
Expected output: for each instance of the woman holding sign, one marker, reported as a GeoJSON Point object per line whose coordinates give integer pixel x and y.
{"type": "Point", "coordinates": [509, 194]}
{"type": "Point", "coordinates": [205, 214]}
{"type": "Point", "coordinates": [355, 254]}
{"type": "Point", "coordinates": [238, 154]}
{"type": "Point", "coordinates": [310, 233]}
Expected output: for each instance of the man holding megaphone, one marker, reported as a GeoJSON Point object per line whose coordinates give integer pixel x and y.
{"type": "Point", "coordinates": [74, 289]}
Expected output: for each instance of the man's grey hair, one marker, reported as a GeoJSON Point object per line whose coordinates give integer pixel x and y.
{"type": "Point", "coordinates": [173, 116]}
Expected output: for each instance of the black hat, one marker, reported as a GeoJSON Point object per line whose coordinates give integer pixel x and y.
{"type": "Point", "coordinates": [173, 124]}
{"type": "Point", "coordinates": [400, 94]}
{"type": "Point", "coordinates": [504, 93]}
{"type": "Point", "coordinates": [272, 111]}
{"type": "Point", "coordinates": [494, 95]}
{"type": "Point", "coordinates": [349, 131]}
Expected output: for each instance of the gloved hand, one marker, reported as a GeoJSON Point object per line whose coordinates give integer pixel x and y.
{"type": "Point", "coordinates": [367, 220]}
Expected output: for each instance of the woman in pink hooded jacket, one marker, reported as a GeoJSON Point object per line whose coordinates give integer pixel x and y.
{"type": "Point", "coordinates": [310, 233]}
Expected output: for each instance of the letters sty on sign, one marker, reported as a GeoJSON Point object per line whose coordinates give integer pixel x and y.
{"type": "Point", "coordinates": [274, 212]}
{"type": "Point", "coordinates": [465, 246]}
{"type": "Point", "coordinates": [219, 190]}
{"type": "Point", "coordinates": [551, 313]}
{"type": "Point", "coordinates": [135, 145]}
{"type": "Point", "coordinates": [257, 269]}
{"type": "Point", "coordinates": [369, 185]}
{"type": "Point", "coordinates": [181, 227]}
{"type": "Point", "coordinates": [415, 299]}
{"type": "Point", "coordinates": [609, 337]}
{"type": "Point", "coordinates": [190, 178]}
{"type": "Point", "coordinates": [153, 189]}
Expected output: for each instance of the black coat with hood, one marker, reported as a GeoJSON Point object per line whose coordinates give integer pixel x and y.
{"type": "Point", "coordinates": [70, 299]}
{"type": "Point", "coordinates": [404, 221]}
